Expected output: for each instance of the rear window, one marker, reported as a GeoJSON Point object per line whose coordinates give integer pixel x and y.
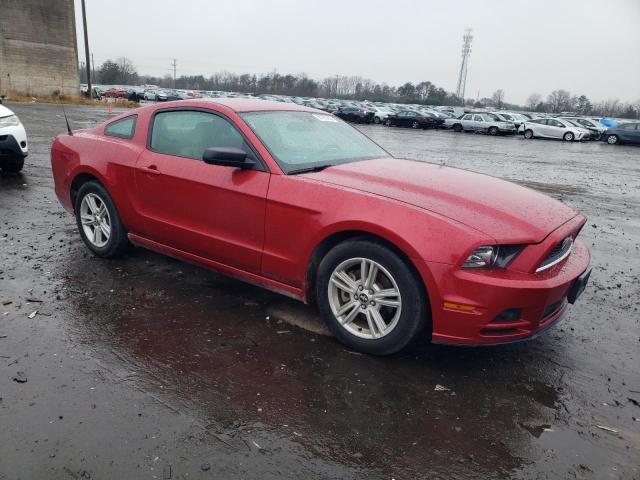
{"type": "Point", "coordinates": [123, 128]}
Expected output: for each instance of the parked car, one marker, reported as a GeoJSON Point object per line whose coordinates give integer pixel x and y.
{"type": "Point", "coordinates": [380, 114]}
{"type": "Point", "coordinates": [553, 128]}
{"type": "Point", "coordinates": [622, 133]}
{"type": "Point", "coordinates": [481, 122]}
{"type": "Point", "coordinates": [589, 124]}
{"type": "Point", "coordinates": [114, 92]}
{"type": "Point", "coordinates": [594, 133]}
{"type": "Point", "coordinates": [13, 142]}
{"type": "Point", "coordinates": [354, 114]}
{"type": "Point", "coordinates": [150, 94]}
{"type": "Point", "coordinates": [410, 118]}
{"type": "Point", "coordinates": [390, 250]}
{"type": "Point", "coordinates": [514, 118]}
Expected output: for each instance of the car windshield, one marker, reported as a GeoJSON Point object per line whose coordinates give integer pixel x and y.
{"type": "Point", "coordinates": [302, 141]}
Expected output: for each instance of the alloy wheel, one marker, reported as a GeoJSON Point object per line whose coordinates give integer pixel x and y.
{"type": "Point", "coordinates": [364, 298]}
{"type": "Point", "coordinates": [612, 139]}
{"type": "Point", "coordinates": [95, 220]}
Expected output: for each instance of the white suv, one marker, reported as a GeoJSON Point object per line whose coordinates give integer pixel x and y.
{"type": "Point", "coordinates": [13, 141]}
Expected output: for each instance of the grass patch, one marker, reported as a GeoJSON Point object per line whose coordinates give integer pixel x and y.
{"type": "Point", "coordinates": [79, 100]}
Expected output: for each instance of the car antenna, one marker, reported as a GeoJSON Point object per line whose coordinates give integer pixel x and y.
{"type": "Point", "coordinates": [66, 120]}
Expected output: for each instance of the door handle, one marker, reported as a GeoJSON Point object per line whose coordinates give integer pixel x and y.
{"type": "Point", "coordinates": [151, 169]}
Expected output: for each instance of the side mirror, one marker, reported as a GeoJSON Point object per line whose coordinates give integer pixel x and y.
{"type": "Point", "coordinates": [227, 157]}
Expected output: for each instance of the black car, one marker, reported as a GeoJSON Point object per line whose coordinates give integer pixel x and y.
{"type": "Point", "coordinates": [354, 114]}
{"type": "Point", "coordinates": [413, 119]}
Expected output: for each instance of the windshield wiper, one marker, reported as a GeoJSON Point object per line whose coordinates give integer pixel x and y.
{"type": "Point", "coordinates": [317, 168]}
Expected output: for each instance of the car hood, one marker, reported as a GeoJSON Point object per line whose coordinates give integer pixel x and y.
{"type": "Point", "coordinates": [502, 210]}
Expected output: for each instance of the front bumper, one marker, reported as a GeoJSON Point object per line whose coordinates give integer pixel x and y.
{"type": "Point", "coordinates": [540, 299]}
{"type": "Point", "coordinates": [12, 147]}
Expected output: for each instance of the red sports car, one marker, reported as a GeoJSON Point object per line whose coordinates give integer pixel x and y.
{"type": "Point", "coordinates": [298, 201]}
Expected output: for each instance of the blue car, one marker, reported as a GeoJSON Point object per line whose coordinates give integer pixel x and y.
{"type": "Point", "coordinates": [622, 133]}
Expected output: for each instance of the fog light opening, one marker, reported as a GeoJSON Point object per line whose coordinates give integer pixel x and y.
{"type": "Point", "coordinates": [509, 315]}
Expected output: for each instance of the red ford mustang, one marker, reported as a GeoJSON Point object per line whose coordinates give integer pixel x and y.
{"type": "Point", "coordinates": [299, 202]}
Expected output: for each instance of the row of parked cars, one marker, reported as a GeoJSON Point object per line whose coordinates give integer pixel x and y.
{"type": "Point", "coordinates": [529, 124]}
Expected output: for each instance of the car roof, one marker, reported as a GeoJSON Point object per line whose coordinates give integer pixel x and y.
{"type": "Point", "coordinates": [247, 105]}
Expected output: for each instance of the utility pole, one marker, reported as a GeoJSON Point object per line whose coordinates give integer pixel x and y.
{"type": "Point", "coordinates": [173, 64]}
{"type": "Point", "coordinates": [93, 67]}
{"type": "Point", "coordinates": [86, 50]}
{"type": "Point", "coordinates": [466, 53]}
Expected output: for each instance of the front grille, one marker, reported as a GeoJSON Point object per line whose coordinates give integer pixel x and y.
{"type": "Point", "coordinates": [557, 254]}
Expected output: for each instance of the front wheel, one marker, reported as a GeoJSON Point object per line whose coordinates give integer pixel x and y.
{"type": "Point", "coordinates": [457, 128]}
{"type": "Point", "coordinates": [98, 221]}
{"type": "Point", "coordinates": [370, 298]}
{"type": "Point", "coordinates": [613, 139]}
{"type": "Point", "coordinates": [568, 137]}
{"type": "Point", "coordinates": [376, 120]}
{"type": "Point", "coordinates": [415, 124]}
{"type": "Point", "coordinates": [388, 123]}
{"type": "Point", "coordinates": [493, 131]}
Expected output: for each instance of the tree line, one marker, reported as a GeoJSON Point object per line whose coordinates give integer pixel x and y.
{"type": "Point", "coordinates": [123, 72]}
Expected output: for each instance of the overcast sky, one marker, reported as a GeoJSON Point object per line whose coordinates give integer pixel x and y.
{"type": "Point", "coordinates": [585, 46]}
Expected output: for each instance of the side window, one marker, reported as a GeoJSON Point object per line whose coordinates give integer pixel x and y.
{"type": "Point", "coordinates": [190, 133]}
{"type": "Point", "coordinates": [478, 118]}
{"type": "Point", "coordinates": [467, 117]}
{"type": "Point", "coordinates": [555, 123]}
{"type": "Point", "coordinates": [124, 128]}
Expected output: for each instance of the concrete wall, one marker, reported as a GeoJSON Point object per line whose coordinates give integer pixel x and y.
{"type": "Point", "coordinates": [38, 50]}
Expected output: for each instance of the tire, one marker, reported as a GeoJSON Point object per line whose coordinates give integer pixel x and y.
{"type": "Point", "coordinates": [457, 128]}
{"type": "Point", "coordinates": [12, 165]}
{"type": "Point", "coordinates": [376, 120]}
{"type": "Point", "coordinates": [613, 139]}
{"type": "Point", "coordinates": [415, 124]}
{"type": "Point", "coordinates": [363, 332]}
{"type": "Point", "coordinates": [388, 123]}
{"type": "Point", "coordinates": [116, 242]}
{"type": "Point", "coordinates": [568, 137]}
{"type": "Point", "coordinates": [528, 134]}
{"type": "Point", "coordinates": [493, 131]}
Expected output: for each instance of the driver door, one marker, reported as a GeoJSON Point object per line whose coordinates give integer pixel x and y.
{"type": "Point", "coordinates": [211, 211]}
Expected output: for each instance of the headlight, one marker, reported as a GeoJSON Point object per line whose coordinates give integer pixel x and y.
{"type": "Point", "coordinates": [492, 256]}
{"type": "Point", "coordinates": [10, 121]}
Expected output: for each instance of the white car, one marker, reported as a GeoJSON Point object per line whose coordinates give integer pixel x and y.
{"type": "Point", "coordinates": [553, 128]}
{"type": "Point", "coordinates": [589, 124]}
{"type": "Point", "coordinates": [380, 114]}
{"type": "Point", "coordinates": [13, 141]}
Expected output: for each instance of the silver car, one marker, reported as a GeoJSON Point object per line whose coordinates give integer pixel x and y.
{"type": "Point", "coordinates": [481, 122]}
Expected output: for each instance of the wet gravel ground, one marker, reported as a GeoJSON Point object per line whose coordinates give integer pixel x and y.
{"type": "Point", "coordinates": [146, 367]}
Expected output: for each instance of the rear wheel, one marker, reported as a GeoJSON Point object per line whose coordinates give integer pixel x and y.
{"type": "Point", "coordinates": [528, 134]}
{"type": "Point", "coordinates": [493, 131]}
{"type": "Point", "coordinates": [388, 123]}
{"type": "Point", "coordinates": [370, 298]}
{"type": "Point", "coordinates": [568, 137]}
{"type": "Point", "coordinates": [457, 127]}
{"type": "Point", "coordinates": [12, 165]}
{"type": "Point", "coordinates": [376, 120]}
{"type": "Point", "coordinates": [415, 124]}
{"type": "Point", "coordinates": [613, 139]}
{"type": "Point", "coordinates": [99, 222]}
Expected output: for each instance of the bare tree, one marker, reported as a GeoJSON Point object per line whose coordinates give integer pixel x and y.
{"type": "Point", "coordinates": [498, 98]}
{"type": "Point", "coordinates": [533, 101]}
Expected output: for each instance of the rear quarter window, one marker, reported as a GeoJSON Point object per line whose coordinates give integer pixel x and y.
{"type": "Point", "coordinates": [124, 128]}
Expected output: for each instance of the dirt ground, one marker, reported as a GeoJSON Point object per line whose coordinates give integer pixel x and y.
{"type": "Point", "coordinates": [146, 367]}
